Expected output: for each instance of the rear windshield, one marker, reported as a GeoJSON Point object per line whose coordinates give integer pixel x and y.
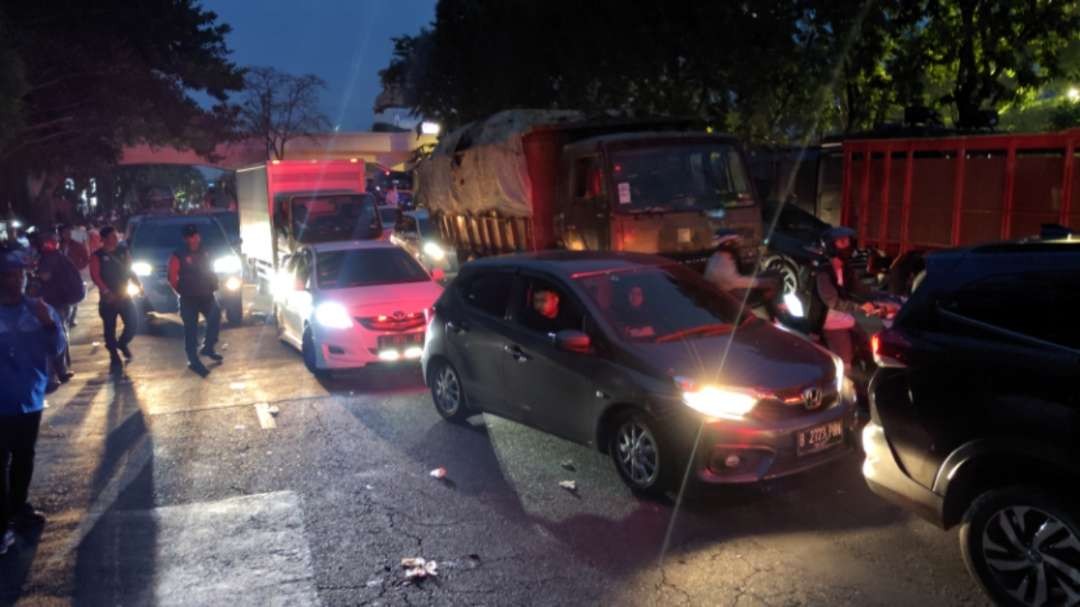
{"type": "Point", "coordinates": [168, 235]}
{"type": "Point", "coordinates": [660, 303]}
{"type": "Point", "coordinates": [367, 267]}
{"type": "Point", "coordinates": [334, 218]}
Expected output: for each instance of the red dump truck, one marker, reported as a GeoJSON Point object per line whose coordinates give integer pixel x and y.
{"type": "Point", "coordinates": [286, 203]}
{"type": "Point", "coordinates": [527, 180]}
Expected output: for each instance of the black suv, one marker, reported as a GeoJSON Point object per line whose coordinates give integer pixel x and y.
{"type": "Point", "coordinates": [975, 413]}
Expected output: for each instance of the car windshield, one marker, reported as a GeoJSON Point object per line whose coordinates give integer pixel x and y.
{"type": "Point", "coordinates": [332, 218]}
{"type": "Point", "coordinates": [652, 304]}
{"type": "Point", "coordinates": [169, 235]}
{"type": "Point", "coordinates": [230, 222]}
{"type": "Point", "coordinates": [423, 225]}
{"type": "Point", "coordinates": [680, 177]}
{"type": "Point", "coordinates": [388, 215]}
{"type": "Point", "coordinates": [367, 267]}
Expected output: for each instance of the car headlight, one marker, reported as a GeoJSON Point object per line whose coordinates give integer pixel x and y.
{"type": "Point", "coordinates": [133, 289]}
{"type": "Point", "coordinates": [715, 401]}
{"type": "Point", "coordinates": [838, 363]}
{"type": "Point", "coordinates": [332, 315]}
{"type": "Point", "coordinates": [141, 268]}
{"type": "Point", "coordinates": [228, 264]}
{"type": "Point", "coordinates": [434, 251]}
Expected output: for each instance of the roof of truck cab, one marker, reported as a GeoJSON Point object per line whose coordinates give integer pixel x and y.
{"type": "Point", "coordinates": [570, 263]}
{"type": "Point", "coordinates": [350, 245]}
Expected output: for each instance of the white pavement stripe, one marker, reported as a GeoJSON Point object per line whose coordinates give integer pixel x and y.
{"type": "Point", "coordinates": [266, 420]}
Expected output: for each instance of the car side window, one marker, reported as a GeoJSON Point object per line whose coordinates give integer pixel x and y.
{"type": "Point", "coordinates": [547, 308]}
{"type": "Point", "coordinates": [488, 292]}
{"type": "Point", "coordinates": [1036, 304]}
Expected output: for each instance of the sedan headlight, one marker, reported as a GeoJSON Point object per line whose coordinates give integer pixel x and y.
{"type": "Point", "coordinates": [332, 315]}
{"type": "Point", "coordinates": [434, 251]}
{"type": "Point", "coordinates": [228, 264]}
{"type": "Point", "coordinates": [714, 401]}
{"type": "Point", "coordinates": [141, 269]}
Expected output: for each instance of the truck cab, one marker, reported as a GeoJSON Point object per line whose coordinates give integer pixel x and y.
{"type": "Point", "coordinates": [655, 192]}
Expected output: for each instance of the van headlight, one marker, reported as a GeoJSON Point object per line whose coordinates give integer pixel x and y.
{"type": "Point", "coordinates": [434, 251]}
{"type": "Point", "coordinates": [332, 315]}
{"type": "Point", "coordinates": [228, 264]}
{"type": "Point", "coordinates": [141, 269]}
{"type": "Point", "coordinates": [716, 401]}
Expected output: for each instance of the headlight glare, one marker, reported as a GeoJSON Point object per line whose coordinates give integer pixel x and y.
{"type": "Point", "coordinates": [715, 401]}
{"type": "Point", "coordinates": [228, 264]}
{"type": "Point", "coordinates": [434, 251]}
{"type": "Point", "coordinates": [141, 269]}
{"type": "Point", "coordinates": [332, 315]}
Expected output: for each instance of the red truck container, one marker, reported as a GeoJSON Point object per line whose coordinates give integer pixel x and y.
{"type": "Point", "coordinates": [929, 193]}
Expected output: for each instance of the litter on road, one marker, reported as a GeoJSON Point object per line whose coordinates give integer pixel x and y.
{"type": "Point", "coordinates": [568, 465]}
{"type": "Point", "coordinates": [569, 486]}
{"type": "Point", "coordinates": [417, 568]}
{"type": "Point", "coordinates": [273, 410]}
{"type": "Point", "coordinates": [439, 473]}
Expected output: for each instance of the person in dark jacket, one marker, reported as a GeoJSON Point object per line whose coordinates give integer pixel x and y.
{"type": "Point", "coordinates": [192, 276]}
{"type": "Point", "coordinates": [61, 287]}
{"type": "Point", "coordinates": [110, 268]}
{"type": "Point", "coordinates": [79, 256]}
{"type": "Point", "coordinates": [31, 334]}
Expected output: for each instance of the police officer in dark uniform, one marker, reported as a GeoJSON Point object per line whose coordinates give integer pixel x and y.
{"type": "Point", "coordinates": [110, 269]}
{"type": "Point", "coordinates": [191, 275]}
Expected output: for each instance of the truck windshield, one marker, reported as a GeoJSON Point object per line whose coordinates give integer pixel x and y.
{"type": "Point", "coordinates": [333, 218]}
{"type": "Point", "coordinates": [367, 267]}
{"type": "Point", "coordinates": [657, 304]}
{"type": "Point", "coordinates": [680, 178]}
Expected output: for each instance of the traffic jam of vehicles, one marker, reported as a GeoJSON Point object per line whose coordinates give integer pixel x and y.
{"type": "Point", "coordinates": [637, 287]}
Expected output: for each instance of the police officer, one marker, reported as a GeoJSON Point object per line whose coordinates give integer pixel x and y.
{"type": "Point", "coordinates": [110, 269]}
{"type": "Point", "coordinates": [192, 277]}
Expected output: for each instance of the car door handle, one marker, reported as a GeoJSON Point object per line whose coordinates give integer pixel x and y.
{"type": "Point", "coordinates": [457, 327]}
{"type": "Point", "coordinates": [516, 353]}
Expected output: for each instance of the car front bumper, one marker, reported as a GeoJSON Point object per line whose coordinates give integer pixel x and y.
{"type": "Point", "coordinates": [357, 347]}
{"type": "Point", "coordinates": [158, 296]}
{"type": "Point", "coordinates": [885, 478]}
{"type": "Point", "coordinates": [754, 451]}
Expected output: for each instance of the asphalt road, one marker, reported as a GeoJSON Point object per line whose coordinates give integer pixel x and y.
{"type": "Point", "coordinates": [164, 488]}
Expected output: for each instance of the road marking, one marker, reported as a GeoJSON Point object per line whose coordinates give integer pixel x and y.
{"type": "Point", "coordinates": [266, 420]}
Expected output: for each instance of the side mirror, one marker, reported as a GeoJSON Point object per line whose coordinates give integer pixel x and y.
{"type": "Point", "coordinates": [573, 341]}
{"type": "Point", "coordinates": [438, 275]}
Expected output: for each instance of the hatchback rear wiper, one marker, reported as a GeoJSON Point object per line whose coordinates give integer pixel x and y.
{"type": "Point", "coordinates": [714, 329]}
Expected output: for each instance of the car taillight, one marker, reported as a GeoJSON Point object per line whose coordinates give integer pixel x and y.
{"type": "Point", "coordinates": [890, 348]}
{"type": "Point", "coordinates": [397, 322]}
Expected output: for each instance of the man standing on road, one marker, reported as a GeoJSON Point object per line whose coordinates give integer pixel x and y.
{"type": "Point", "coordinates": [110, 269]}
{"type": "Point", "coordinates": [191, 275]}
{"type": "Point", "coordinates": [31, 334]}
{"type": "Point", "coordinates": [62, 288]}
{"type": "Point", "coordinates": [79, 256]}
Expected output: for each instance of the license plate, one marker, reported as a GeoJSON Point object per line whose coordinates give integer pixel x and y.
{"type": "Point", "coordinates": [401, 341]}
{"type": "Point", "coordinates": [820, 437]}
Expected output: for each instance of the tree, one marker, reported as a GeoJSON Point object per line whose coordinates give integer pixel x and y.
{"type": "Point", "coordinates": [278, 107]}
{"type": "Point", "coordinates": [99, 76]}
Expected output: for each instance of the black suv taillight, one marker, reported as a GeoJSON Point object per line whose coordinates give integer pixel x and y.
{"type": "Point", "coordinates": [890, 348]}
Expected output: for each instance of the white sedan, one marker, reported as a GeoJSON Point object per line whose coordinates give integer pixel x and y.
{"type": "Point", "coordinates": [348, 304]}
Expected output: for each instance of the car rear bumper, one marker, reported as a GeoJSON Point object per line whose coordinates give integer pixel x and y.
{"type": "Point", "coordinates": [735, 453]}
{"type": "Point", "coordinates": [885, 478]}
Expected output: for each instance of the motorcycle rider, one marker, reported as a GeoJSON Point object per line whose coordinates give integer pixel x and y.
{"type": "Point", "coordinates": [723, 271]}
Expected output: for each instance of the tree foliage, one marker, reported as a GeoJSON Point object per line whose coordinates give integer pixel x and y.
{"type": "Point", "coordinates": [277, 107]}
{"type": "Point", "coordinates": [771, 70]}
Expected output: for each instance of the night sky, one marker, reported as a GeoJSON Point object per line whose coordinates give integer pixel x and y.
{"type": "Point", "coordinates": [346, 42]}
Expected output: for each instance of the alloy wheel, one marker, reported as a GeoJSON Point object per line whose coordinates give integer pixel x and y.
{"type": "Point", "coordinates": [637, 454]}
{"type": "Point", "coordinates": [1033, 556]}
{"type": "Point", "coordinates": [788, 275]}
{"type": "Point", "coordinates": [447, 391]}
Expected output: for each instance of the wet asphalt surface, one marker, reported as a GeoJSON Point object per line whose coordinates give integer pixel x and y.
{"type": "Point", "coordinates": [164, 488]}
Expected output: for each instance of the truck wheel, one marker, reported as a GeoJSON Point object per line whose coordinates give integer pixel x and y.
{"type": "Point", "coordinates": [234, 312]}
{"type": "Point", "coordinates": [1023, 546]}
{"type": "Point", "coordinates": [788, 272]}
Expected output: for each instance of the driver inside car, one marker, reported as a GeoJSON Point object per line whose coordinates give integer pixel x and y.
{"type": "Point", "coordinates": [635, 314]}
{"type": "Point", "coordinates": [545, 308]}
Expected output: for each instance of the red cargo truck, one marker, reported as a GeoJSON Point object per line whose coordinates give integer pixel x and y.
{"type": "Point", "coordinates": [286, 203]}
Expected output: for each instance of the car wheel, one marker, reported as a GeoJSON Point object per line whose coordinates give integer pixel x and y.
{"type": "Point", "coordinates": [307, 349]}
{"type": "Point", "coordinates": [644, 457]}
{"type": "Point", "coordinates": [787, 271]}
{"type": "Point", "coordinates": [447, 392]}
{"type": "Point", "coordinates": [1023, 546]}
{"type": "Point", "coordinates": [234, 312]}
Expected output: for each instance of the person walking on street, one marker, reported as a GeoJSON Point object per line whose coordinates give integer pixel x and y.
{"type": "Point", "coordinates": [31, 334]}
{"type": "Point", "coordinates": [110, 269]}
{"type": "Point", "coordinates": [192, 276]}
{"type": "Point", "coordinates": [61, 287]}
{"type": "Point", "coordinates": [79, 256]}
